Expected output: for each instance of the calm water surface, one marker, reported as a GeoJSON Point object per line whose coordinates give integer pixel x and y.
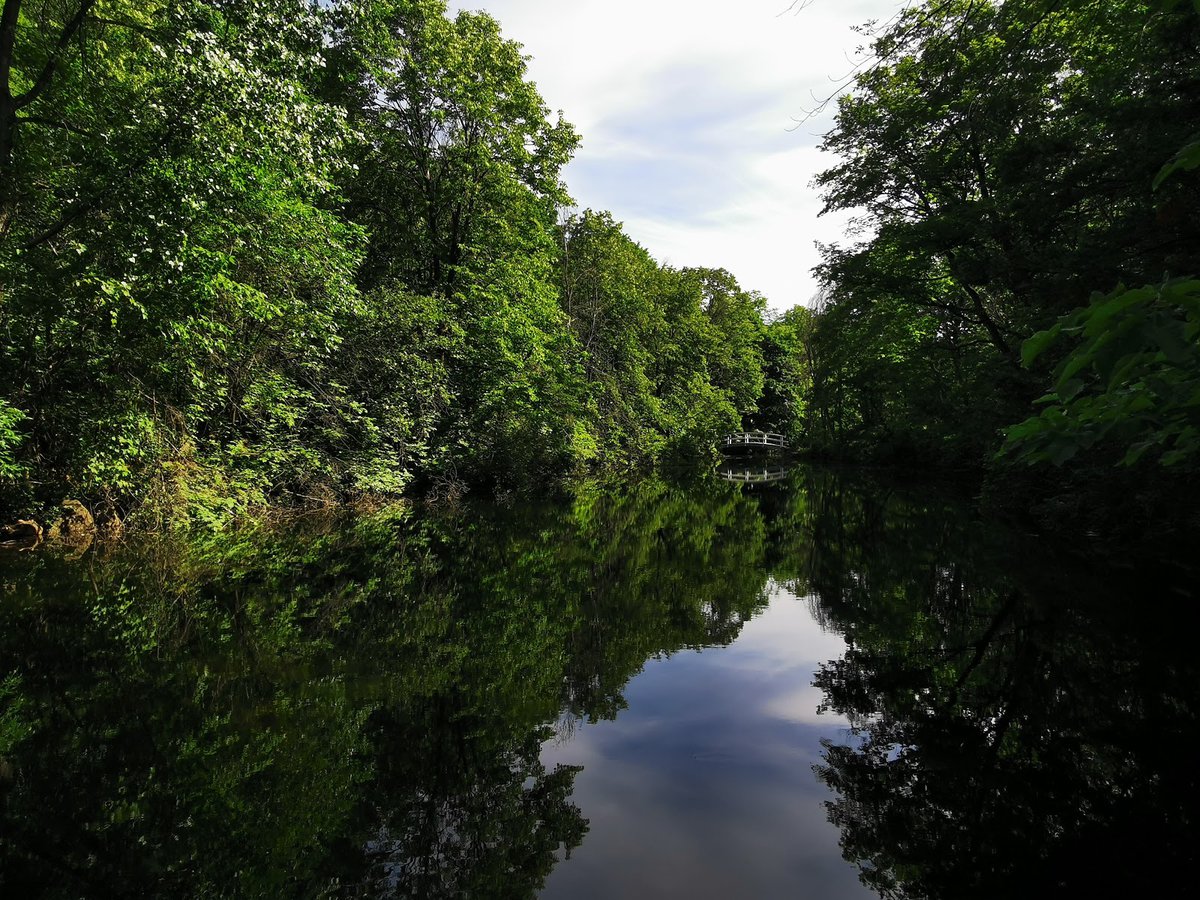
{"type": "Point", "coordinates": [704, 786]}
{"type": "Point", "coordinates": [828, 686]}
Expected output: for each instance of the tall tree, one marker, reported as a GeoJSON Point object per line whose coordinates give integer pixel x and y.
{"type": "Point", "coordinates": [172, 278]}
{"type": "Point", "coordinates": [1002, 154]}
{"type": "Point", "coordinates": [454, 134]}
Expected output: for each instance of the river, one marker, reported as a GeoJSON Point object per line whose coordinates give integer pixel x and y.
{"type": "Point", "coordinates": [831, 685]}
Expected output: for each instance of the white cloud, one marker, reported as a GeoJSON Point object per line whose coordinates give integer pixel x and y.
{"type": "Point", "coordinates": [688, 112]}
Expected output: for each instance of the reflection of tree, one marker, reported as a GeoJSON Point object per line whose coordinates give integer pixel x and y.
{"type": "Point", "coordinates": [486, 822]}
{"type": "Point", "coordinates": [357, 711]}
{"type": "Point", "coordinates": [659, 570]}
{"type": "Point", "coordinates": [1020, 726]}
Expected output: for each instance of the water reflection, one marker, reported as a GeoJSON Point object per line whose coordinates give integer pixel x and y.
{"type": "Point", "coordinates": [703, 788]}
{"type": "Point", "coordinates": [749, 472]}
{"type": "Point", "coordinates": [503, 700]}
{"type": "Point", "coordinates": [1025, 720]}
{"type": "Point", "coordinates": [354, 712]}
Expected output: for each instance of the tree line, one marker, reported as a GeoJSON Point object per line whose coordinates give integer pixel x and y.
{"type": "Point", "coordinates": [264, 251]}
{"type": "Point", "coordinates": [1022, 295]}
{"type": "Point", "coordinates": [290, 251]}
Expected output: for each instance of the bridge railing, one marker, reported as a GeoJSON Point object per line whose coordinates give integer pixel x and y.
{"type": "Point", "coordinates": [755, 439]}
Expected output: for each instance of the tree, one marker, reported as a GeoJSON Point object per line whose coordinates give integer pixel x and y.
{"type": "Point", "coordinates": [611, 293]}
{"type": "Point", "coordinates": [787, 373]}
{"type": "Point", "coordinates": [736, 316]}
{"type": "Point", "coordinates": [454, 138]}
{"type": "Point", "coordinates": [173, 280]}
{"type": "Point", "coordinates": [457, 184]}
{"type": "Point", "coordinates": [1002, 154]}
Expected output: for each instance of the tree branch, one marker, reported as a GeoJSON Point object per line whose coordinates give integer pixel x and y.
{"type": "Point", "coordinates": [54, 123]}
{"type": "Point", "coordinates": [117, 23]}
{"type": "Point", "coordinates": [69, 217]}
{"type": "Point", "coordinates": [64, 40]}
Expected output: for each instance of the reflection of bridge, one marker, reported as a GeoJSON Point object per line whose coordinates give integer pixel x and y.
{"type": "Point", "coordinates": [755, 439]}
{"type": "Point", "coordinates": [761, 475]}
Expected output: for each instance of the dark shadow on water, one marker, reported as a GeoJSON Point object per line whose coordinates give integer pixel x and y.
{"type": "Point", "coordinates": [1027, 718]}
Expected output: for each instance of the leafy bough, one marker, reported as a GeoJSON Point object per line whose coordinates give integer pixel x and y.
{"type": "Point", "coordinates": [1132, 379]}
{"type": "Point", "coordinates": [1134, 375]}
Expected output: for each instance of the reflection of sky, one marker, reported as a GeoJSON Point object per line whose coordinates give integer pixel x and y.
{"type": "Point", "coordinates": [703, 787]}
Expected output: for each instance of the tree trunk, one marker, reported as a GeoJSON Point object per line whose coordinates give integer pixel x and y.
{"type": "Point", "coordinates": [8, 106]}
{"type": "Point", "coordinates": [8, 129]}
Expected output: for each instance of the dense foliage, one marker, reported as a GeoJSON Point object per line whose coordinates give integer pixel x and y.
{"type": "Point", "coordinates": [289, 251]}
{"type": "Point", "coordinates": [1020, 167]}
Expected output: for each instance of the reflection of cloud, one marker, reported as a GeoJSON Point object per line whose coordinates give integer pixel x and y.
{"type": "Point", "coordinates": [801, 706]}
{"type": "Point", "coordinates": [703, 787]}
{"type": "Point", "coordinates": [685, 110]}
{"type": "Point", "coordinates": [784, 639]}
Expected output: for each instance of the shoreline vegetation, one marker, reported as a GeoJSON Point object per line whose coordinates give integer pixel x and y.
{"type": "Point", "coordinates": [270, 254]}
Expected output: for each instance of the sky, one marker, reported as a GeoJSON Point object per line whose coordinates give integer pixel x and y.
{"type": "Point", "coordinates": [690, 113]}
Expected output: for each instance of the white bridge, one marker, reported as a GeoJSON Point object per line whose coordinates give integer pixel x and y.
{"type": "Point", "coordinates": [755, 439]}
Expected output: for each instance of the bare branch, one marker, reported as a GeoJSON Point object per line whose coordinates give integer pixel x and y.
{"type": "Point", "coordinates": [796, 7]}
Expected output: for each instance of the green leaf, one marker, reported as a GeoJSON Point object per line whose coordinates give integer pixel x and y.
{"type": "Point", "coordinates": [1187, 159]}
{"type": "Point", "coordinates": [1070, 389]}
{"type": "Point", "coordinates": [1136, 452]}
{"type": "Point", "coordinates": [1037, 344]}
